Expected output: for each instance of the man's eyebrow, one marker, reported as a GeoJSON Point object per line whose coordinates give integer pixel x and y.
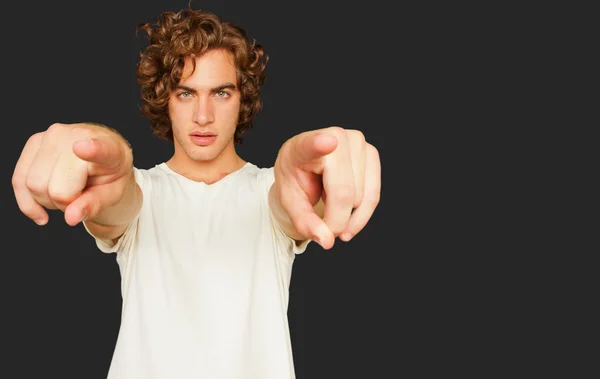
{"type": "Point", "coordinates": [223, 86]}
{"type": "Point", "coordinates": [212, 90]}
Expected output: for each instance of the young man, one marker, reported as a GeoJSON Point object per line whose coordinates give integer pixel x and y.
{"type": "Point", "coordinates": [205, 242]}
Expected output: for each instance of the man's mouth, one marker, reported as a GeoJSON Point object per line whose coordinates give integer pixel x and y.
{"type": "Point", "coordinates": [203, 134]}
{"type": "Point", "coordinates": [203, 139]}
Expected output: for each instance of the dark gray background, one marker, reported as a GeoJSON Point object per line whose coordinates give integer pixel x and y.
{"type": "Point", "coordinates": [433, 286]}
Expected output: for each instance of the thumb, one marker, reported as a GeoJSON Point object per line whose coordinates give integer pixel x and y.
{"type": "Point", "coordinates": [104, 151]}
{"type": "Point", "coordinates": [321, 232]}
{"type": "Point", "coordinates": [302, 214]}
{"type": "Point", "coordinates": [92, 201]}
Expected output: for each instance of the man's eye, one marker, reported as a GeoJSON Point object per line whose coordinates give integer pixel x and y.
{"type": "Point", "coordinates": [185, 95]}
{"type": "Point", "coordinates": [222, 94]}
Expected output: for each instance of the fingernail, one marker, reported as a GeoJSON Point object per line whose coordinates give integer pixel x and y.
{"type": "Point", "coordinates": [83, 216]}
{"type": "Point", "coordinates": [40, 221]}
{"type": "Point", "coordinates": [346, 237]}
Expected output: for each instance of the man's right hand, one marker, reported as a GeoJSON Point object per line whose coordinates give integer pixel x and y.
{"type": "Point", "coordinates": [80, 169]}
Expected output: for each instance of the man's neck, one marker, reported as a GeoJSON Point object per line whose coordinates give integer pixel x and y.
{"type": "Point", "coordinates": [208, 172]}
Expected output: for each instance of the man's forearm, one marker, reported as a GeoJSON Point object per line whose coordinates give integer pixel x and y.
{"type": "Point", "coordinates": [125, 210]}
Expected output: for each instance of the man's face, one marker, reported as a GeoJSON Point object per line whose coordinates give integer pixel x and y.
{"type": "Point", "coordinates": [206, 103]}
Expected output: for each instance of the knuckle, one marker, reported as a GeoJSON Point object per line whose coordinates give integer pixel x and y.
{"type": "Point", "coordinates": [373, 150]}
{"type": "Point", "coordinates": [337, 130]}
{"type": "Point", "coordinates": [59, 194]}
{"type": "Point", "coordinates": [58, 131]}
{"type": "Point", "coordinates": [54, 134]}
{"type": "Point", "coordinates": [56, 127]}
{"type": "Point", "coordinates": [16, 181]}
{"type": "Point", "coordinates": [81, 132]}
{"type": "Point", "coordinates": [33, 139]}
{"type": "Point", "coordinates": [35, 185]}
{"type": "Point", "coordinates": [356, 137]}
{"type": "Point", "coordinates": [344, 194]}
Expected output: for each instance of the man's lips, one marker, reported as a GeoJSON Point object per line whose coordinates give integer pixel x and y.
{"type": "Point", "coordinates": [203, 139]}
{"type": "Point", "coordinates": [202, 134]}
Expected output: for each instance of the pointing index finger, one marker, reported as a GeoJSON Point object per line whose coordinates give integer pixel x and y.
{"type": "Point", "coordinates": [311, 146]}
{"type": "Point", "coordinates": [104, 151]}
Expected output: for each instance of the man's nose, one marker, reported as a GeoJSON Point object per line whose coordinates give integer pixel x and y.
{"type": "Point", "coordinates": [203, 112]}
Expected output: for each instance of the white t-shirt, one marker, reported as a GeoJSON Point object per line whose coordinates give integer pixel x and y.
{"type": "Point", "coordinates": [205, 272]}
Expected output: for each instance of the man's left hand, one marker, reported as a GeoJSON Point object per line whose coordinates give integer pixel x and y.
{"type": "Point", "coordinates": [334, 165]}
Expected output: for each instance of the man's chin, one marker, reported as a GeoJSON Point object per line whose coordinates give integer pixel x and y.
{"type": "Point", "coordinates": [206, 155]}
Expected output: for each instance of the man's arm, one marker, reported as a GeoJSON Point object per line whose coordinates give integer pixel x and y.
{"type": "Point", "coordinates": [111, 222]}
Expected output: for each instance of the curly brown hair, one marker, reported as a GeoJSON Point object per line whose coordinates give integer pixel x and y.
{"type": "Point", "coordinates": [175, 36]}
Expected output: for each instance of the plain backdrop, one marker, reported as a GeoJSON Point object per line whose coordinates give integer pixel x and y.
{"type": "Point", "coordinates": [436, 284]}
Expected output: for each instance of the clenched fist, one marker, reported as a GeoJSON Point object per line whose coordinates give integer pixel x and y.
{"type": "Point", "coordinates": [80, 169]}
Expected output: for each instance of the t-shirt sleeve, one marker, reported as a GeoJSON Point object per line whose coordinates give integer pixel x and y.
{"type": "Point", "coordinates": [107, 246]}
{"type": "Point", "coordinates": [267, 178]}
